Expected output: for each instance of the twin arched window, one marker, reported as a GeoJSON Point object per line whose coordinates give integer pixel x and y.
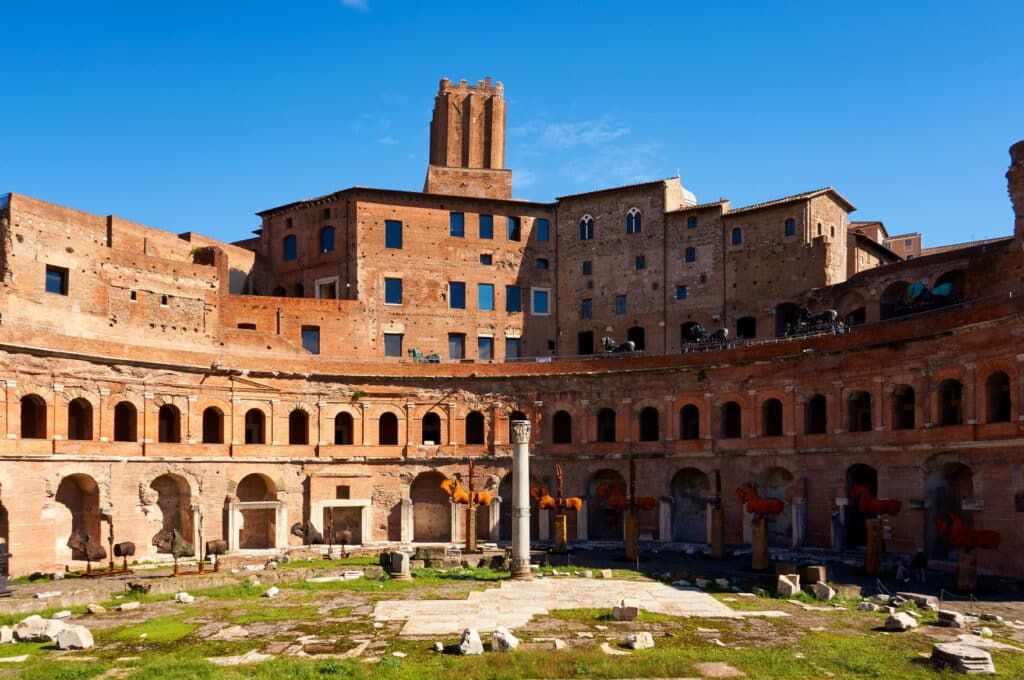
{"type": "Point", "coordinates": [586, 228]}
{"type": "Point", "coordinates": [634, 221]}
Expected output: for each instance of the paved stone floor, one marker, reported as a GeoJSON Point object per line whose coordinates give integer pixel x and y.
{"type": "Point", "coordinates": [516, 602]}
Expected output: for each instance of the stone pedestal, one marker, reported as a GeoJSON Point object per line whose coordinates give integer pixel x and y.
{"type": "Point", "coordinates": [400, 568]}
{"type": "Point", "coordinates": [967, 571]}
{"type": "Point", "coordinates": [716, 534]}
{"type": "Point", "coordinates": [561, 537]}
{"type": "Point", "coordinates": [759, 559]}
{"type": "Point", "coordinates": [629, 536]}
{"type": "Point", "coordinates": [521, 500]}
{"type": "Point", "coordinates": [875, 547]}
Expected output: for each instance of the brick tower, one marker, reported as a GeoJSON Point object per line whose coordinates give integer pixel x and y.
{"type": "Point", "coordinates": [1015, 182]}
{"type": "Point", "coordinates": [467, 141]}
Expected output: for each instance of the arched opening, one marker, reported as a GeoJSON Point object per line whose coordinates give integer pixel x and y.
{"type": "Point", "coordinates": [298, 427]}
{"type": "Point", "coordinates": [431, 509]}
{"type": "Point", "coordinates": [79, 419]}
{"type": "Point", "coordinates": [950, 402]}
{"type": "Point", "coordinates": [689, 422]}
{"type": "Point", "coordinates": [636, 335]}
{"type": "Point", "coordinates": [732, 420]}
{"type": "Point", "coordinates": [786, 317]}
{"type": "Point", "coordinates": [561, 428]}
{"type": "Point", "coordinates": [33, 417]}
{"type": "Point", "coordinates": [606, 425]}
{"type": "Point", "coordinates": [997, 398]}
{"type": "Point", "coordinates": [854, 521]}
{"type": "Point", "coordinates": [505, 511]}
{"type": "Point", "coordinates": [259, 525]}
{"type": "Point", "coordinates": [343, 429]}
{"type": "Point", "coordinates": [946, 489]}
{"type": "Point", "coordinates": [774, 483]}
{"type": "Point", "coordinates": [255, 427]}
{"type": "Point", "coordinates": [126, 422]}
{"type": "Point", "coordinates": [771, 418]}
{"type": "Point", "coordinates": [174, 499]}
{"type": "Point", "coordinates": [895, 301]}
{"type": "Point", "coordinates": [585, 342]}
{"type": "Point", "coordinates": [650, 430]}
{"type": "Point", "coordinates": [855, 317]}
{"type": "Point", "coordinates": [860, 411]}
{"type": "Point", "coordinates": [690, 491]}
{"type": "Point", "coordinates": [746, 327]}
{"type": "Point", "coordinates": [948, 289]}
{"type": "Point", "coordinates": [431, 429]}
{"type": "Point", "coordinates": [903, 405]}
{"type": "Point", "coordinates": [816, 415]}
{"type": "Point", "coordinates": [5, 537]}
{"type": "Point", "coordinates": [169, 424]}
{"type": "Point", "coordinates": [387, 429]}
{"type": "Point", "coordinates": [475, 428]}
{"type": "Point", "coordinates": [80, 496]}
{"type": "Point", "coordinates": [852, 310]}
{"type": "Point", "coordinates": [605, 514]}
{"type": "Point", "coordinates": [514, 416]}
{"type": "Point", "coordinates": [686, 332]}
{"type": "Point", "coordinates": [300, 290]}
{"type": "Point", "coordinates": [279, 291]}
{"type": "Point", "coordinates": [213, 425]}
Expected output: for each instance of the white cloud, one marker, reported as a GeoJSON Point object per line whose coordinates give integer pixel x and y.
{"type": "Point", "coordinates": [360, 5]}
{"type": "Point", "coordinates": [387, 140]}
{"type": "Point", "coordinates": [582, 133]}
{"type": "Point", "coordinates": [615, 165]}
{"type": "Point", "coordinates": [524, 178]}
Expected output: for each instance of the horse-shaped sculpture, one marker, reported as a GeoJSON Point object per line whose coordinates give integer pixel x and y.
{"type": "Point", "coordinates": [697, 334]}
{"type": "Point", "coordinates": [869, 505]}
{"type": "Point", "coordinates": [610, 346]}
{"type": "Point", "coordinates": [615, 495]}
{"type": "Point", "coordinates": [307, 532]}
{"type": "Point", "coordinates": [81, 543]}
{"type": "Point", "coordinates": [756, 505]}
{"type": "Point", "coordinates": [961, 537]}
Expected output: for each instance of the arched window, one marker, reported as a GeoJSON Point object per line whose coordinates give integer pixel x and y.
{"type": "Point", "coordinates": [586, 228]}
{"type": "Point", "coordinates": [561, 428]}
{"type": "Point", "coordinates": [300, 290]}
{"type": "Point", "coordinates": [290, 248]}
{"type": "Point", "coordinates": [790, 227]}
{"type": "Point", "coordinates": [732, 420]}
{"type": "Point", "coordinates": [997, 398]}
{"type": "Point", "coordinates": [255, 429]}
{"type": "Point", "coordinates": [860, 411]}
{"type": "Point", "coordinates": [431, 429]}
{"type": "Point", "coordinates": [950, 403]}
{"type": "Point", "coordinates": [387, 430]}
{"type": "Point", "coordinates": [169, 424]}
{"type": "Point", "coordinates": [636, 334]}
{"type": "Point", "coordinates": [79, 419]}
{"type": "Point", "coordinates": [894, 301]}
{"type": "Point", "coordinates": [903, 407]}
{"type": "Point", "coordinates": [816, 415]}
{"type": "Point", "coordinates": [690, 255]}
{"type": "Point", "coordinates": [516, 415]}
{"type": "Point", "coordinates": [649, 425]}
{"type": "Point", "coordinates": [633, 221]}
{"type": "Point", "coordinates": [125, 422]}
{"type": "Point", "coordinates": [343, 429]}
{"type": "Point", "coordinates": [606, 425]}
{"type": "Point", "coordinates": [771, 418]}
{"type": "Point", "coordinates": [279, 291]}
{"type": "Point", "coordinates": [298, 427]}
{"type": "Point", "coordinates": [746, 327]}
{"type": "Point", "coordinates": [213, 425]}
{"type": "Point", "coordinates": [737, 236]}
{"type": "Point", "coordinates": [33, 417]}
{"type": "Point", "coordinates": [475, 428]}
{"type": "Point", "coordinates": [689, 422]}
{"type": "Point", "coordinates": [327, 240]}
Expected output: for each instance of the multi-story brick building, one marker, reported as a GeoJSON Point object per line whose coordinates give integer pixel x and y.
{"type": "Point", "coordinates": [162, 382]}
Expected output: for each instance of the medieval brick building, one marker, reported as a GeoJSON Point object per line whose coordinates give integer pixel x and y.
{"type": "Point", "coordinates": [367, 343]}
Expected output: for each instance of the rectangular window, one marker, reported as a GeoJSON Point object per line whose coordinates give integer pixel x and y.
{"type": "Point", "coordinates": [691, 255]}
{"type": "Point", "coordinates": [515, 229]}
{"type": "Point", "coordinates": [392, 291]}
{"type": "Point", "coordinates": [907, 242]}
{"type": "Point", "coordinates": [291, 248]}
{"type": "Point", "coordinates": [586, 309]}
{"type": "Point", "coordinates": [247, 326]}
{"type": "Point", "coordinates": [485, 297]}
{"type": "Point", "coordinates": [327, 289]}
{"type": "Point", "coordinates": [640, 262]}
{"type": "Point", "coordinates": [540, 297]}
{"type": "Point", "coordinates": [588, 268]}
{"type": "Point", "coordinates": [620, 304]}
{"type": "Point", "coordinates": [484, 348]}
{"type": "Point", "coordinates": [392, 344]}
{"type": "Point", "coordinates": [513, 299]}
{"type": "Point", "coordinates": [487, 226]}
{"type": "Point", "coordinates": [542, 263]}
{"type": "Point", "coordinates": [56, 280]}
{"type": "Point", "coordinates": [511, 348]}
{"type": "Point", "coordinates": [456, 295]}
{"type": "Point", "coordinates": [486, 258]}
{"type": "Point", "coordinates": [691, 223]}
{"type": "Point", "coordinates": [311, 339]}
{"type": "Point", "coordinates": [327, 213]}
{"type": "Point", "coordinates": [543, 230]}
{"type": "Point", "coordinates": [681, 292]}
{"type": "Point", "coordinates": [393, 234]}
{"type": "Point", "coordinates": [457, 225]}
{"type": "Point", "coordinates": [456, 346]}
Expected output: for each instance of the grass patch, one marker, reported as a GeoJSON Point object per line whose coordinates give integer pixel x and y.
{"type": "Point", "coordinates": [159, 630]}
{"type": "Point", "coordinates": [265, 614]}
{"type": "Point", "coordinates": [356, 561]}
{"type": "Point", "coordinates": [38, 669]}
{"type": "Point", "coordinates": [12, 619]}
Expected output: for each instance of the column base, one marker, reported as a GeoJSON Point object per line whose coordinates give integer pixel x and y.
{"type": "Point", "coordinates": [521, 570]}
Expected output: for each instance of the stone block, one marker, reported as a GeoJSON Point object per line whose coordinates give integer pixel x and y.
{"type": "Point", "coordinates": [814, 574]}
{"type": "Point", "coordinates": [641, 640]}
{"type": "Point", "coordinates": [128, 606]}
{"type": "Point", "coordinates": [96, 609]}
{"type": "Point", "coordinates": [6, 635]}
{"type": "Point", "coordinates": [950, 619]}
{"type": "Point", "coordinates": [470, 642]}
{"type": "Point", "coordinates": [900, 621]}
{"type": "Point", "coordinates": [184, 598]}
{"type": "Point", "coordinates": [626, 610]}
{"type": "Point", "coordinates": [63, 614]}
{"type": "Point", "coordinates": [929, 602]}
{"type": "Point", "coordinates": [272, 591]}
{"type": "Point", "coordinates": [787, 585]}
{"type": "Point", "coordinates": [962, 658]}
{"type": "Point", "coordinates": [37, 629]}
{"type": "Point", "coordinates": [785, 568]}
{"type": "Point", "coordinates": [503, 640]}
{"type": "Point", "coordinates": [75, 637]}
{"type": "Point", "coordinates": [823, 591]}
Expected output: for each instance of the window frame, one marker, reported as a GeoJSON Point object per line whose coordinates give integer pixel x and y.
{"type": "Point", "coordinates": [518, 298]}
{"type": "Point", "coordinates": [690, 255]}
{"type": "Point", "coordinates": [63, 279]}
{"type": "Point", "coordinates": [289, 248]}
{"type": "Point", "coordinates": [461, 337]}
{"type": "Point", "coordinates": [634, 221]}
{"type": "Point", "coordinates": [327, 281]}
{"type": "Point", "coordinates": [481, 299]}
{"type": "Point", "coordinates": [534, 292]}
{"type": "Point", "coordinates": [393, 229]}
{"type": "Point", "coordinates": [513, 229]}
{"type": "Point", "coordinates": [542, 228]}
{"type": "Point", "coordinates": [457, 224]}
{"type": "Point", "coordinates": [305, 338]}
{"type": "Point", "coordinates": [487, 220]}
{"type": "Point", "coordinates": [389, 281]}
{"type": "Point", "coordinates": [328, 229]}
{"type": "Point", "coordinates": [456, 286]}
{"type": "Point", "coordinates": [587, 228]}
{"type": "Point", "coordinates": [481, 341]}
{"type": "Point", "coordinates": [401, 342]}
{"type": "Point", "coordinates": [621, 305]}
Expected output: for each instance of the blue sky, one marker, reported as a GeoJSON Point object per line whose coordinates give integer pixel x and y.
{"type": "Point", "coordinates": [196, 115]}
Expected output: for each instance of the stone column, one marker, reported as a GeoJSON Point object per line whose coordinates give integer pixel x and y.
{"type": "Point", "coordinates": [521, 500]}
{"type": "Point", "coordinates": [665, 521]}
{"type": "Point", "coordinates": [494, 520]}
{"type": "Point", "coordinates": [406, 535]}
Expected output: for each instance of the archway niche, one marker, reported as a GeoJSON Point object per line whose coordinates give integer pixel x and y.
{"type": "Point", "coordinates": [387, 430]}
{"type": "Point", "coordinates": [33, 417]}
{"type": "Point", "coordinates": [80, 496]}
{"type": "Point", "coordinates": [79, 419]}
{"type": "Point", "coordinates": [475, 428]}
{"type": "Point", "coordinates": [690, 491]}
{"type": "Point", "coordinates": [298, 428]}
{"type": "Point", "coordinates": [125, 422]}
{"type": "Point", "coordinates": [771, 418]}
{"type": "Point", "coordinates": [561, 428]}
{"type": "Point", "coordinates": [606, 425]}
{"type": "Point", "coordinates": [169, 424]}
{"type": "Point", "coordinates": [997, 398]}
{"type": "Point", "coordinates": [213, 425]}
{"type": "Point", "coordinates": [946, 487]}
{"type": "Point", "coordinates": [689, 422]}
{"type": "Point", "coordinates": [816, 415]}
{"type": "Point", "coordinates": [649, 425]}
{"type": "Point", "coordinates": [431, 429]}
{"type": "Point", "coordinates": [854, 519]}
{"type": "Point", "coordinates": [903, 407]}
{"type": "Point", "coordinates": [343, 429]}
{"type": "Point", "coordinates": [604, 522]}
{"type": "Point", "coordinates": [258, 530]}
{"type": "Point", "coordinates": [894, 301]}
{"type": "Point", "coordinates": [255, 426]}
{"type": "Point", "coordinates": [431, 509]}
{"type": "Point", "coordinates": [774, 482]}
{"type": "Point", "coordinates": [950, 402]}
{"type": "Point", "coordinates": [174, 499]}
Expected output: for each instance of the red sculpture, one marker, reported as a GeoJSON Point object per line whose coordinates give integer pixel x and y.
{"type": "Point", "coordinates": [869, 505]}
{"type": "Point", "coordinates": [757, 505]}
{"type": "Point", "coordinates": [961, 537]}
{"type": "Point", "coordinates": [615, 495]}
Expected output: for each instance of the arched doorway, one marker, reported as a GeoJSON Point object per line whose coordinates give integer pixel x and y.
{"type": "Point", "coordinates": [431, 429]}
{"type": "Point", "coordinates": [255, 428]}
{"type": "Point", "coordinates": [947, 486]}
{"type": "Point", "coordinates": [786, 317]}
{"type": "Point", "coordinates": [343, 428]}
{"type": "Point", "coordinates": [213, 425]}
{"type": "Point", "coordinates": [431, 509]}
{"type": "Point", "coordinates": [475, 428]}
{"type": "Point", "coordinates": [298, 428]}
{"type": "Point", "coordinates": [649, 425]}
{"type": "Point", "coordinates": [79, 419]}
{"type": "Point", "coordinates": [33, 417]}
{"type": "Point", "coordinates": [80, 496]}
{"type": "Point", "coordinates": [169, 424]}
{"type": "Point", "coordinates": [690, 491]}
{"type": "Point", "coordinates": [894, 301]}
{"type": "Point", "coordinates": [125, 422]}
{"type": "Point", "coordinates": [259, 525]}
{"type": "Point", "coordinates": [174, 499]}
{"type": "Point", "coordinates": [774, 482]}
{"type": "Point", "coordinates": [387, 430]}
{"type": "Point", "coordinates": [854, 519]}
{"type": "Point", "coordinates": [604, 518]}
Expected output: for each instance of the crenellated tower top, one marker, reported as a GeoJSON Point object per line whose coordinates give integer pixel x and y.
{"type": "Point", "coordinates": [1015, 185]}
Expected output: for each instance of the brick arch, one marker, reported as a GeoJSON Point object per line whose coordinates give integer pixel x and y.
{"type": "Point", "coordinates": [51, 483]}
{"type": "Point", "coordinates": [333, 409]}
{"type": "Point", "coordinates": [178, 400]}
{"type": "Point", "coordinates": [147, 496]}
{"type": "Point", "coordinates": [134, 399]}
{"type": "Point", "coordinates": [280, 488]}
{"type": "Point", "coordinates": [72, 393]}
{"type": "Point", "coordinates": [577, 418]}
{"type": "Point", "coordinates": [299, 406]}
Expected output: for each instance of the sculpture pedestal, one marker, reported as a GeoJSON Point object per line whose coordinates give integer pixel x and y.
{"type": "Point", "coordinates": [759, 559]}
{"type": "Point", "coordinates": [400, 570]}
{"type": "Point", "coordinates": [967, 572]}
{"type": "Point", "coordinates": [471, 528]}
{"type": "Point", "coordinates": [717, 538]}
{"type": "Point", "coordinates": [630, 537]}
{"type": "Point", "coordinates": [874, 547]}
{"type": "Point", "coordinates": [561, 537]}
